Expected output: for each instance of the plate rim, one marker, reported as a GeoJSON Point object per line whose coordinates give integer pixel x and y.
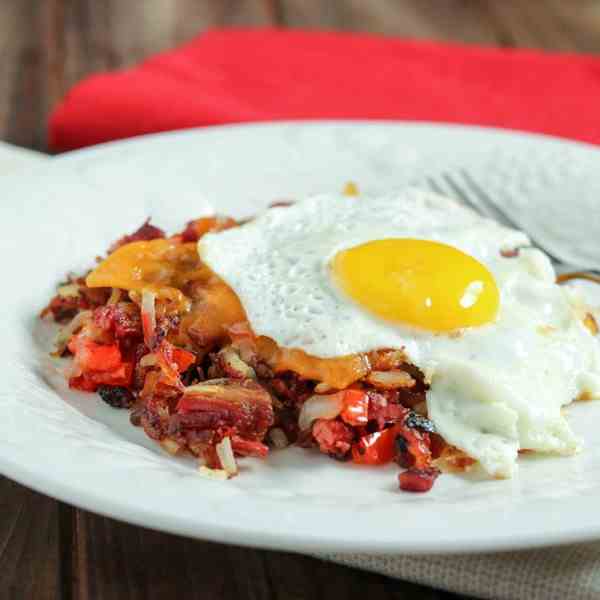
{"type": "Point", "coordinates": [294, 543]}
{"type": "Point", "coordinates": [185, 131]}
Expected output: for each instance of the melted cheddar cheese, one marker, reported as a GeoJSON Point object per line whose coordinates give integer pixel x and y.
{"type": "Point", "coordinates": [337, 372]}
{"type": "Point", "coordinates": [208, 306]}
{"type": "Point", "coordinates": [163, 267]}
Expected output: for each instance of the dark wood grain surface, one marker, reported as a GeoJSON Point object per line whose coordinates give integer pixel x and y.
{"type": "Point", "coordinates": [49, 550]}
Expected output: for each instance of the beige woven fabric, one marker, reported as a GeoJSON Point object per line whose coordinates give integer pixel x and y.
{"type": "Point", "coordinates": [565, 573]}
{"type": "Point", "coordinates": [560, 573]}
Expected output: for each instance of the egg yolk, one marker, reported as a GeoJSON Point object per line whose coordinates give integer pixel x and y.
{"type": "Point", "coordinates": [421, 283]}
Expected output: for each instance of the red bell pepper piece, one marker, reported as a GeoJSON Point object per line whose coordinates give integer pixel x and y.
{"type": "Point", "coordinates": [183, 359]}
{"type": "Point", "coordinates": [356, 407]}
{"type": "Point", "coordinates": [418, 480]}
{"type": "Point", "coordinates": [376, 448]}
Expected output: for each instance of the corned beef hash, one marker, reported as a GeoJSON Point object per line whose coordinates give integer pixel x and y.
{"type": "Point", "coordinates": [404, 328]}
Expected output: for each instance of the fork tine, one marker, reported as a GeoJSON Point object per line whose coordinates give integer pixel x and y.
{"type": "Point", "coordinates": [434, 185]}
{"type": "Point", "coordinates": [492, 208]}
{"type": "Point", "coordinates": [471, 194]}
{"type": "Point", "coordinates": [476, 200]}
{"type": "Point", "coordinates": [446, 187]}
{"type": "Point", "coordinates": [501, 215]}
{"type": "Point", "coordinates": [462, 195]}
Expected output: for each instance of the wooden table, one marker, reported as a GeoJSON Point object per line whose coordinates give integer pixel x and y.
{"type": "Point", "coordinates": [50, 550]}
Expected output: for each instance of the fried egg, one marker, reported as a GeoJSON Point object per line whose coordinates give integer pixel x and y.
{"type": "Point", "coordinates": [503, 346]}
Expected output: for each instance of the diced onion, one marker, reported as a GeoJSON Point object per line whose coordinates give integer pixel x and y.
{"type": "Point", "coordinates": [390, 380]}
{"type": "Point", "coordinates": [148, 317]}
{"type": "Point", "coordinates": [200, 388]}
{"type": "Point", "coordinates": [226, 457]}
{"type": "Point", "coordinates": [322, 388]}
{"type": "Point", "coordinates": [69, 290]}
{"type": "Point", "coordinates": [149, 360]}
{"type": "Point", "coordinates": [115, 296]}
{"type": "Point", "coordinates": [217, 474]}
{"type": "Point", "coordinates": [171, 446]}
{"type": "Point", "coordinates": [320, 407]}
{"type": "Point", "coordinates": [64, 335]}
{"type": "Point", "coordinates": [73, 369]}
{"type": "Point", "coordinates": [233, 366]}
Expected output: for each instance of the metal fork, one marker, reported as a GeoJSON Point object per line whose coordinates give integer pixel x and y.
{"type": "Point", "coordinates": [467, 191]}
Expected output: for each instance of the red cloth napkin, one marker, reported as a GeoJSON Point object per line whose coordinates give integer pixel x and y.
{"type": "Point", "coordinates": [226, 76]}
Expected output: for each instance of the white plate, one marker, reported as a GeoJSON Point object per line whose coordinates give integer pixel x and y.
{"type": "Point", "coordinates": [59, 216]}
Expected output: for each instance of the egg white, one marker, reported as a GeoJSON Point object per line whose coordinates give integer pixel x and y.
{"type": "Point", "coordinates": [495, 389]}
